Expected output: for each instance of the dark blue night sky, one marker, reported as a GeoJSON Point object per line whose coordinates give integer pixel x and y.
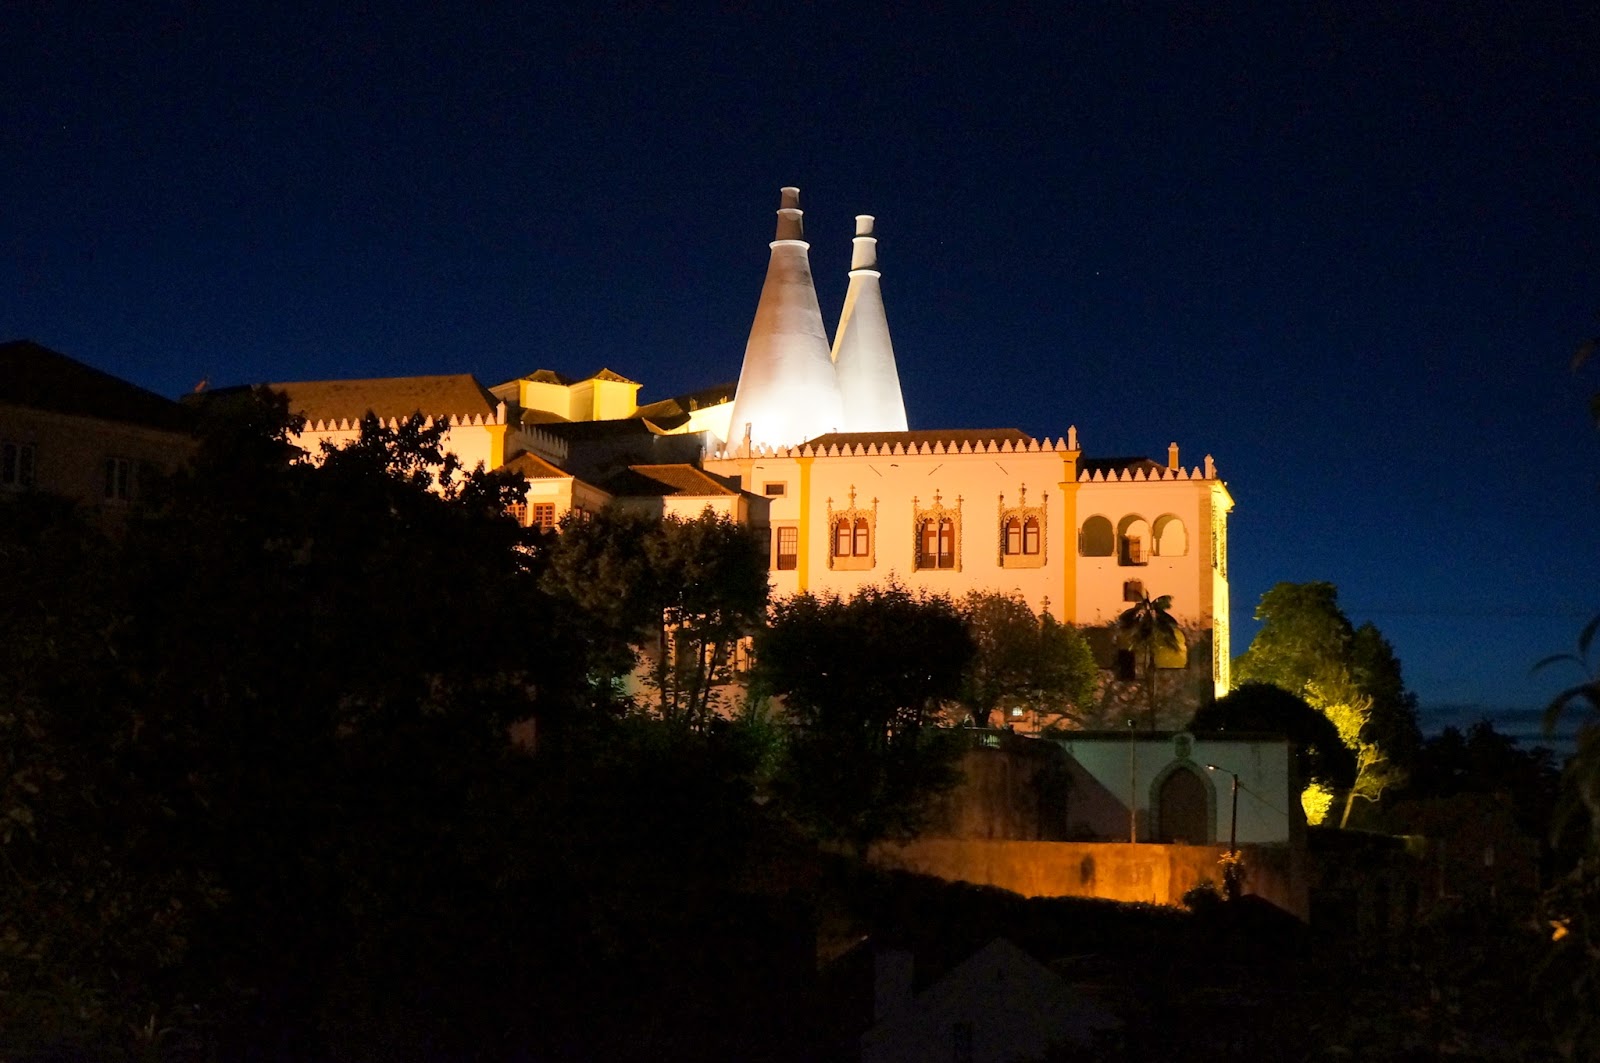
{"type": "Point", "coordinates": [1349, 254]}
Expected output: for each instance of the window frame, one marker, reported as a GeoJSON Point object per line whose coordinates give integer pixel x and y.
{"type": "Point", "coordinates": [791, 534]}
{"type": "Point", "coordinates": [19, 465]}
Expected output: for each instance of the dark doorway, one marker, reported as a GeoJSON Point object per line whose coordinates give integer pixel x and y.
{"type": "Point", "coordinates": [1183, 812]}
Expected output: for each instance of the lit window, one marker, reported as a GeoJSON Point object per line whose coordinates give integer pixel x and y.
{"type": "Point", "coordinates": [544, 515]}
{"type": "Point", "coordinates": [121, 479]}
{"type": "Point", "coordinates": [788, 548]}
{"type": "Point", "coordinates": [938, 539]}
{"type": "Point", "coordinates": [518, 512]}
{"type": "Point", "coordinates": [1021, 536]}
{"type": "Point", "coordinates": [16, 465]}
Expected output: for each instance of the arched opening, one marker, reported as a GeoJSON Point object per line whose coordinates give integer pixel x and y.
{"type": "Point", "coordinates": [861, 544]}
{"type": "Point", "coordinates": [1030, 535]}
{"type": "Point", "coordinates": [1133, 541]}
{"type": "Point", "coordinates": [1172, 539]}
{"type": "Point", "coordinates": [1096, 538]}
{"type": "Point", "coordinates": [1013, 536]}
{"type": "Point", "coordinates": [1185, 807]}
{"type": "Point", "coordinates": [841, 538]}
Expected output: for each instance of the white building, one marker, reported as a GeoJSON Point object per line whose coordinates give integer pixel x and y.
{"type": "Point", "coordinates": [813, 447]}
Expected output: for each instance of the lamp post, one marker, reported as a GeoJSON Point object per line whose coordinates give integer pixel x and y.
{"type": "Point", "coordinates": [1233, 820]}
{"type": "Point", "coordinates": [1133, 786]}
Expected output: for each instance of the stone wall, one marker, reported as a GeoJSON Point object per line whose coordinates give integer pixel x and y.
{"type": "Point", "coordinates": [1152, 874]}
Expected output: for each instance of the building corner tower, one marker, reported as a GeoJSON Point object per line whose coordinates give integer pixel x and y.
{"type": "Point", "coordinates": [788, 391]}
{"type": "Point", "coordinates": [863, 356]}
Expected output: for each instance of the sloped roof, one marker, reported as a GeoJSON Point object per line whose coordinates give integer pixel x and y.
{"type": "Point", "coordinates": [1105, 465]}
{"type": "Point", "coordinates": [457, 394]}
{"type": "Point", "coordinates": [606, 374]}
{"type": "Point", "coordinates": [35, 377]}
{"type": "Point", "coordinates": [670, 413]}
{"type": "Point", "coordinates": [928, 436]}
{"type": "Point", "coordinates": [661, 481]}
{"type": "Point", "coordinates": [548, 376]}
{"type": "Point", "coordinates": [587, 431]}
{"type": "Point", "coordinates": [536, 468]}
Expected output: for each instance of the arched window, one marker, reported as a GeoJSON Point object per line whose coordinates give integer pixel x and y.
{"type": "Point", "coordinates": [938, 539]}
{"type": "Point", "coordinates": [851, 548]}
{"type": "Point", "coordinates": [1133, 541]}
{"type": "Point", "coordinates": [1022, 536]}
{"type": "Point", "coordinates": [1096, 538]}
{"type": "Point", "coordinates": [1172, 539]}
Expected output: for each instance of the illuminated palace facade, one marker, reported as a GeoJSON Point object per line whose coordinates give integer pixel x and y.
{"type": "Point", "coordinates": [813, 447]}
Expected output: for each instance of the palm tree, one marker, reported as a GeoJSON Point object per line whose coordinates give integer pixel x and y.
{"type": "Point", "coordinates": [1583, 770]}
{"type": "Point", "coordinates": [1148, 628]}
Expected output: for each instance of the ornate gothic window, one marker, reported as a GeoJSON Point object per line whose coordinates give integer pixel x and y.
{"type": "Point", "coordinates": [1022, 541]}
{"type": "Point", "coordinates": [851, 543]}
{"type": "Point", "coordinates": [938, 531]}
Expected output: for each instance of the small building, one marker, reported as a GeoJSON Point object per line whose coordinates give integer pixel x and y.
{"type": "Point", "coordinates": [1179, 787]}
{"type": "Point", "coordinates": [69, 429]}
{"type": "Point", "coordinates": [998, 1005]}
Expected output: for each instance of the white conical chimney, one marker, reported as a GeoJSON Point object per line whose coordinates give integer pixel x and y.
{"type": "Point", "coordinates": [787, 389]}
{"type": "Point", "coordinates": [863, 356]}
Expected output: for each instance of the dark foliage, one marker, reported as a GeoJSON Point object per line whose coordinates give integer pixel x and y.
{"type": "Point", "coordinates": [865, 680]}
{"type": "Point", "coordinates": [1319, 754]}
{"type": "Point", "coordinates": [259, 798]}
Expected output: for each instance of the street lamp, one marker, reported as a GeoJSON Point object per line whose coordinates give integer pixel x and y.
{"type": "Point", "coordinates": [1233, 821]}
{"type": "Point", "coordinates": [1133, 786]}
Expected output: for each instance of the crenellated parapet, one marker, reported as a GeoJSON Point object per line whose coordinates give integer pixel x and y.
{"type": "Point", "coordinates": [922, 449]}
{"type": "Point", "coordinates": [1149, 475]}
{"type": "Point", "coordinates": [353, 424]}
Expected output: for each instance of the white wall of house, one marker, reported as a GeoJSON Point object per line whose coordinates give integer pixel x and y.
{"type": "Point", "coordinates": [1115, 765]}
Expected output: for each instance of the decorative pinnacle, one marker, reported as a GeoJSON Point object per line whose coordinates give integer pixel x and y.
{"type": "Point", "coordinates": [789, 214]}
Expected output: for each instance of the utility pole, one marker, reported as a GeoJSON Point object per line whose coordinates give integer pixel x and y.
{"type": "Point", "coordinates": [1133, 785]}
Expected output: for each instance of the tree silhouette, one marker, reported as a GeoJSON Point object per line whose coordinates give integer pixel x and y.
{"type": "Point", "coordinates": [864, 680]}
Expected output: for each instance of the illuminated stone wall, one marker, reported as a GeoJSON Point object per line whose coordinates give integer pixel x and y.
{"type": "Point", "coordinates": [1148, 874]}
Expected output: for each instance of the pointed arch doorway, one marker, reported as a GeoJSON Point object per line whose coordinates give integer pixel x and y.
{"type": "Point", "coordinates": [1185, 807]}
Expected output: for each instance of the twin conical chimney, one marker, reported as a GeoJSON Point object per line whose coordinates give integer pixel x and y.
{"type": "Point", "coordinates": [788, 391]}
{"type": "Point", "coordinates": [863, 356]}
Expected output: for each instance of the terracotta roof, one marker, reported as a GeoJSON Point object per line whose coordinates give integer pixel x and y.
{"type": "Point", "coordinates": [665, 480]}
{"type": "Point", "coordinates": [670, 413]}
{"type": "Point", "coordinates": [1094, 465]}
{"type": "Point", "coordinates": [458, 394]}
{"type": "Point", "coordinates": [928, 436]}
{"type": "Point", "coordinates": [536, 468]}
{"type": "Point", "coordinates": [606, 374]}
{"type": "Point", "coordinates": [35, 377]}
{"type": "Point", "coordinates": [587, 431]}
{"type": "Point", "coordinates": [548, 376]}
